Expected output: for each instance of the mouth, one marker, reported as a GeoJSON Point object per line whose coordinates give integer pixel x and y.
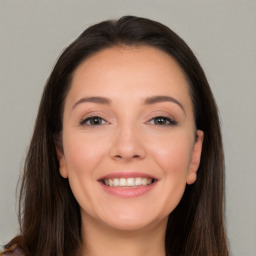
{"type": "Point", "coordinates": [128, 184]}
{"type": "Point", "coordinates": [131, 182]}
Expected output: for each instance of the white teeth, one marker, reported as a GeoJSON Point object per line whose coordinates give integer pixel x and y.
{"type": "Point", "coordinates": [144, 181]}
{"type": "Point", "coordinates": [137, 181]}
{"type": "Point", "coordinates": [128, 182]}
{"type": "Point", "coordinates": [123, 182]}
{"type": "Point", "coordinates": [110, 182]}
{"type": "Point", "coordinates": [116, 182]}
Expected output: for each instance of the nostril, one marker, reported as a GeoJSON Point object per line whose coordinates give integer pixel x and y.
{"type": "Point", "coordinates": [119, 156]}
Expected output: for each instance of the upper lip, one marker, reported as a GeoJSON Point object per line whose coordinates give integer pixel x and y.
{"type": "Point", "coordinates": [127, 174]}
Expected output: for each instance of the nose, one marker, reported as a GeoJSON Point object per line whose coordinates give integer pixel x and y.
{"type": "Point", "coordinates": [128, 144]}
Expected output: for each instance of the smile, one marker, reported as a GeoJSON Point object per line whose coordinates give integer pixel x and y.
{"type": "Point", "coordinates": [128, 182]}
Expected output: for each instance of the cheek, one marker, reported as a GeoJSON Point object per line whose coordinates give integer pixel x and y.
{"type": "Point", "coordinates": [82, 159]}
{"type": "Point", "coordinates": [82, 154]}
{"type": "Point", "coordinates": [173, 156]}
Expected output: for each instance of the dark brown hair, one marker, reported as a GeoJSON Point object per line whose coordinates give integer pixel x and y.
{"type": "Point", "coordinates": [49, 214]}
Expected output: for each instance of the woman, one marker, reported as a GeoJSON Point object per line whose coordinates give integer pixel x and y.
{"type": "Point", "coordinates": [126, 156]}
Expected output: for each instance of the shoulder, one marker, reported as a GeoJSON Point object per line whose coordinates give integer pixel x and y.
{"type": "Point", "coordinates": [13, 251]}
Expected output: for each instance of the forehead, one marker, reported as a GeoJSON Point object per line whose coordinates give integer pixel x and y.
{"type": "Point", "coordinates": [140, 71]}
{"type": "Point", "coordinates": [131, 57]}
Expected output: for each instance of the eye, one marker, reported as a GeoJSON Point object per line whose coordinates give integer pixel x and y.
{"type": "Point", "coordinates": [162, 120]}
{"type": "Point", "coordinates": [93, 121]}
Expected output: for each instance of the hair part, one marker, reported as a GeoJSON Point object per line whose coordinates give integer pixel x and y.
{"type": "Point", "coordinates": [49, 214]}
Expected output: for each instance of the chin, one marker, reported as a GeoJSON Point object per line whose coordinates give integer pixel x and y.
{"type": "Point", "coordinates": [133, 219]}
{"type": "Point", "coordinates": [130, 224]}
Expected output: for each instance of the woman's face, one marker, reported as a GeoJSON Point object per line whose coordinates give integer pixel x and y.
{"type": "Point", "coordinates": [129, 137]}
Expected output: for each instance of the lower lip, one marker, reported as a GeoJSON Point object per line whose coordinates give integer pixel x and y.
{"type": "Point", "coordinates": [128, 192]}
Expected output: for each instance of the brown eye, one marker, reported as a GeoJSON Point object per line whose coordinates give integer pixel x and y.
{"type": "Point", "coordinates": [162, 120]}
{"type": "Point", "coordinates": [93, 121]}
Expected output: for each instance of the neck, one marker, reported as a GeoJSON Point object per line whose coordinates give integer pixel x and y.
{"type": "Point", "coordinates": [101, 240]}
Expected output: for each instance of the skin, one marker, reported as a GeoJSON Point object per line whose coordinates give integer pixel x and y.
{"type": "Point", "coordinates": [129, 137]}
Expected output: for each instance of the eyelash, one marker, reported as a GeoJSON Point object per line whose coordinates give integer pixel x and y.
{"type": "Point", "coordinates": [167, 121]}
{"type": "Point", "coordinates": [93, 118]}
{"type": "Point", "coordinates": [164, 121]}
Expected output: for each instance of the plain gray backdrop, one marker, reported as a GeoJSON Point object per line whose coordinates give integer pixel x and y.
{"type": "Point", "coordinates": [222, 34]}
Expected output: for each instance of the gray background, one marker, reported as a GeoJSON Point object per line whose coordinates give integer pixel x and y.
{"type": "Point", "coordinates": [221, 33]}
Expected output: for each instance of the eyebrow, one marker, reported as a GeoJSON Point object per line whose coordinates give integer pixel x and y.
{"type": "Point", "coordinates": [157, 99]}
{"type": "Point", "coordinates": [148, 101]}
{"type": "Point", "coordinates": [99, 100]}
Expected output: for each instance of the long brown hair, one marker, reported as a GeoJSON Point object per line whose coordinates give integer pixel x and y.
{"type": "Point", "coordinates": [49, 214]}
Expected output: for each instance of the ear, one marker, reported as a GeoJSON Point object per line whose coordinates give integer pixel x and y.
{"type": "Point", "coordinates": [195, 157]}
{"type": "Point", "coordinates": [62, 161]}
